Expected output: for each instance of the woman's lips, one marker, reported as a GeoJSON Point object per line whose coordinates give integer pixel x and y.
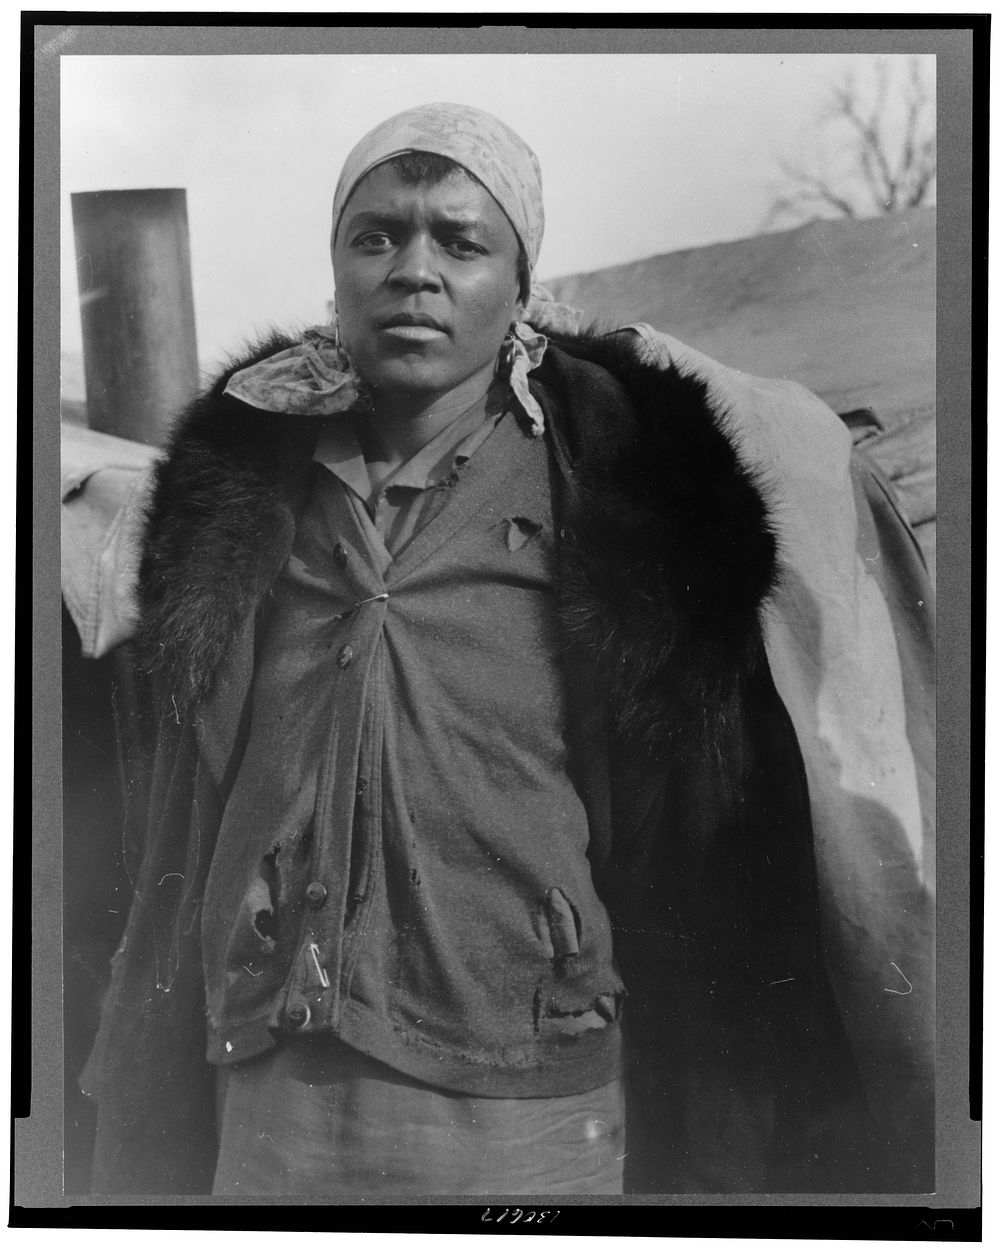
{"type": "Point", "coordinates": [411, 331]}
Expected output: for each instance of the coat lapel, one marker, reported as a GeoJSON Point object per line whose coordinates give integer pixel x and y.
{"type": "Point", "coordinates": [221, 523]}
{"type": "Point", "coordinates": [668, 553]}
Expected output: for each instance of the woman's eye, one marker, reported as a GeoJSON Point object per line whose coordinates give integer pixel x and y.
{"type": "Point", "coordinates": [373, 240]}
{"type": "Point", "coordinates": [465, 248]}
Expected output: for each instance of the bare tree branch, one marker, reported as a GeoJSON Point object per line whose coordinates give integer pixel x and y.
{"type": "Point", "coordinates": [872, 146]}
{"type": "Point", "coordinates": [913, 159]}
{"type": "Point", "coordinates": [889, 157]}
{"type": "Point", "coordinates": [820, 190]}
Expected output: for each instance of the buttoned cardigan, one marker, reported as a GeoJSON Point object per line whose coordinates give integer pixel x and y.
{"type": "Point", "coordinates": [402, 859]}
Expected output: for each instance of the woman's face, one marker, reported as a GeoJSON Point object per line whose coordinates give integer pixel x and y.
{"type": "Point", "coordinates": [426, 279]}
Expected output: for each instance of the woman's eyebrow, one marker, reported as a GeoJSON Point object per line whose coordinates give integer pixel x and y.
{"type": "Point", "coordinates": [456, 223]}
{"type": "Point", "coordinates": [388, 218]}
{"type": "Point", "coordinates": [372, 217]}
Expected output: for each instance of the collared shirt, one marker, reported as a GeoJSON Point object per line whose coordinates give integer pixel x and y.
{"type": "Point", "coordinates": [414, 493]}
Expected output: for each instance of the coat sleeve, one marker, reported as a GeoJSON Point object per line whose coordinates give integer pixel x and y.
{"type": "Point", "coordinates": [148, 1071]}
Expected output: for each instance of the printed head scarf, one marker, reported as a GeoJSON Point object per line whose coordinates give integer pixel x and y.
{"type": "Point", "coordinates": [481, 143]}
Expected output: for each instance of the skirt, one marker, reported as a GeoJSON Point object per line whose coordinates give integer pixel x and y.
{"type": "Point", "coordinates": [315, 1118]}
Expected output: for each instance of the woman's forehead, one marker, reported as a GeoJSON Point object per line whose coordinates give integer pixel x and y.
{"type": "Point", "coordinates": [383, 193]}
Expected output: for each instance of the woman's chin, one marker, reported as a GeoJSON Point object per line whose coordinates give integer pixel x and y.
{"type": "Point", "coordinates": [414, 376]}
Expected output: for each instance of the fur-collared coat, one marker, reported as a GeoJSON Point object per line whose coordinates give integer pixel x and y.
{"type": "Point", "coordinates": [740, 1078]}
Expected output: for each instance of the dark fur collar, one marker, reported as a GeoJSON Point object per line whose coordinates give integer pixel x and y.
{"type": "Point", "coordinates": [666, 560]}
{"type": "Point", "coordinates": [670, 555]}
{"type": "Point", "coordinates": [219, 526]}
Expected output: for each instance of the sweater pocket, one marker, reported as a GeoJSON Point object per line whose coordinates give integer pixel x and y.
{"type": "Point", "coordinates": [577, 992]}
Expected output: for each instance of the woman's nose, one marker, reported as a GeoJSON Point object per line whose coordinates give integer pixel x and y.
{"type": "Point", "coordinates": [415, 267]}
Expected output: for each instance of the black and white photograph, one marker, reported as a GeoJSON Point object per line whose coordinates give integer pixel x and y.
{"type": "Point", "coordinates": [498, 563]}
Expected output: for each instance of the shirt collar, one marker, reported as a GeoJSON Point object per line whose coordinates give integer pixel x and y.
{"type": "Point", "coordinates": [339, 449]}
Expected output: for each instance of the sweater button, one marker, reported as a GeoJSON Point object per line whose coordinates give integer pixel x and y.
{"type": "Point", "coordinates": [298, 1016]}
{"type": "Point", "coordinates": [316, 893]}
{"type": "Point", "coordinates": [344, 656]}
{"type": "Point", "coordinates": [340, 555]}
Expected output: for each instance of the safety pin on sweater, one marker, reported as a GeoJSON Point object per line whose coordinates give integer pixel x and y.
{"type": "Point", "coordinates": [324, 979]}
{"type": "Point", "coordinates": [353, 609]}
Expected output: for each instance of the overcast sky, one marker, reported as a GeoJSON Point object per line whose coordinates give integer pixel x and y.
{"type": "Point", "coordinates": [640, 155]}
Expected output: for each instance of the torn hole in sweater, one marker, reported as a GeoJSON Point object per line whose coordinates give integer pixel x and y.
{"type": "Point", "coordinates": [554, 1016]}
{"type": "Point", "coordinates": [565, 1004]}
{"type": "Point", "coordinates": [519, 531]}
{"type": "Point", "coordinates": [258, 909]}
{"type": "Point", "coordinates": [565, 933]}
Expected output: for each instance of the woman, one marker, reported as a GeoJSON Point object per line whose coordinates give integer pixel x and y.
{"type": "Point", "coordinates": [472, 799]}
